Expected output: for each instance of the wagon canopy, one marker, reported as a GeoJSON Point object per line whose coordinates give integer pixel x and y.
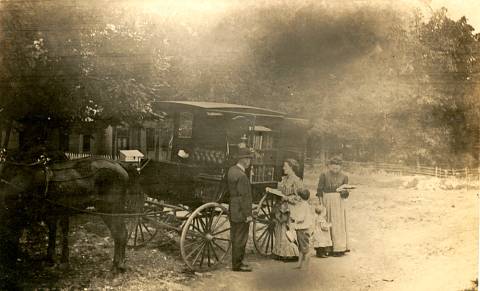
{"type": "Point", "coordinates": [213, 131]}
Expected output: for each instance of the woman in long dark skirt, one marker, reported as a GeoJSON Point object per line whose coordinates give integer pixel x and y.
{"type": "Point", "coordinates": [335, 203]}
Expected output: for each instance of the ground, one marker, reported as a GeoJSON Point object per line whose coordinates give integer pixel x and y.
{"type": "Point", "coordinates": [415, 238]}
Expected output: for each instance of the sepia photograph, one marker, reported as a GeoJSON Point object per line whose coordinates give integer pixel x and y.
{"type": "Point", "coordinates": [239, 145]}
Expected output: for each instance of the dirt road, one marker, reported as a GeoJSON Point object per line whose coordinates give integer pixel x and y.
{"type": "Point", "coordinates": [400, 240]}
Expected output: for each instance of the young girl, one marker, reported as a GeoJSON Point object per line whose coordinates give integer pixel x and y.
{"type": "Point", "coordinates": [321, 236]}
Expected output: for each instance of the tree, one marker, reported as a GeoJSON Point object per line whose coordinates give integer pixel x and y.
{"type": "Point", "coordinates": [67, 64]}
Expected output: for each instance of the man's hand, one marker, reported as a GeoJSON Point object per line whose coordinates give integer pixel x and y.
{"type": "Point", "coordinates": [249, 219]}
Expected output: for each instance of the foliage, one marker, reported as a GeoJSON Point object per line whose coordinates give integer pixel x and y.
{"type": "Point", "coordinates": [394, 85]}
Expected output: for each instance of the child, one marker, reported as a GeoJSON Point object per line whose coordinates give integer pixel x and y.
{"type": "Point", "coordinates": [322, 240]}
{"type": "Point", "coordinates": [303, 222]}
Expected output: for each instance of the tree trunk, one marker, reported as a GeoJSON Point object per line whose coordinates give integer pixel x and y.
{"type": "Point", "coordinates": [6, 141]}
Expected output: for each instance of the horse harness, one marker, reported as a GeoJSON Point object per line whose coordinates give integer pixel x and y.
{"type": "Point", "coordinates": [49, 177]}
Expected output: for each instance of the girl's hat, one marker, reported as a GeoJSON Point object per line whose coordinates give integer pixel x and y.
{"type": "Point", "coordinates": [320, 209]}
{"type": "Point", "coordinates": [304, 194]}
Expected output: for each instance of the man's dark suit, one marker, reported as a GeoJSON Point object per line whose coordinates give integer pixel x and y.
{"type": "Point", "coordinates": [240, 208]}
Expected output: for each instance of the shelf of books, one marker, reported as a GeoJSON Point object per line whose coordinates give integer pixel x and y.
{"type": "Point", "coordinates": [261, 141]}
{"type": "Point", "coordinates": [262, 173]}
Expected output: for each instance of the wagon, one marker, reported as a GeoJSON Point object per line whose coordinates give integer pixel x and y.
{"type": "Point", "coordinates": [182, 180]}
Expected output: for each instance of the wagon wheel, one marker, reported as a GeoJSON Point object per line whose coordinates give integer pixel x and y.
{"type": "Point", "coordinates": [140, 229]}
{"type": "Point", "coordinates": [205, 237]}
{"type": "Point", "coordinates": [264, 225]}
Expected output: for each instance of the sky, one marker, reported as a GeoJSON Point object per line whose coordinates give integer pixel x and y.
{"type": "Point", "coordinates": [459, 8]}
{"type": "Point", "coordinates": [200, 9]}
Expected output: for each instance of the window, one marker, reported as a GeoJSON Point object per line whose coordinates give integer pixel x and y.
{"type": "Point", "coordinates": [150, 139]}
{"type": "Point", "coordinates": [185, 125]}
{"type": "Point", "coordinates": [122, 139]}
{"type": "Point", "coordinates": [86, 146]}
{"type": "Point", "coordinates": [64, 141]}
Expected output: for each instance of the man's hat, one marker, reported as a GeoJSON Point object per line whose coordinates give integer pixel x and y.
{"type": "Point", "coordinates": [336, 160]}
{"type": "Point", "coordinates": [244, 153]}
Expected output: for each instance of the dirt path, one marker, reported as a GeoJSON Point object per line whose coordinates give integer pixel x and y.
{"type": "Point", "coordinates": [400, 240]}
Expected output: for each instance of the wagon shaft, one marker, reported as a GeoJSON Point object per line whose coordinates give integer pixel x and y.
{"type": "Point", "coordinates": [162, 225]}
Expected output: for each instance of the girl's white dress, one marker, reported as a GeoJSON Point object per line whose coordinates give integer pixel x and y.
{"type": "Point", "coordinates": [321, 232]}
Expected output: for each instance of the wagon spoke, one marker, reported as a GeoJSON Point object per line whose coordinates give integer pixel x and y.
{"type": "Point", "coordinates": [218, 219]}
{"type": "Point", "coordinates": [210, 220]}
{"type": "Point", "coordinates": [213, 251]}
{"type": "Point", "coordinates": [265, 241]}
{"type": "Point", "coordinates": [263, 234]}
{"type": "Point", "coordinates": [195, 249]}
{"type": "Point", "coordinates": [221, 231]}
{"type": "Point", "coordinates": [203, 255]}
{"type": "Point", "coordinates": [141, 231]}
{"type": "Point", "coordinates": [208, 254]}
{"type": "Point", "coordinates": [207, 221]}
{"type": "Point", "coordinates": [272, 238]}
{"type": "Point", "coordinates": [219, 246]}
{"type": "Point", "coordinates": [194, 233]}
{"type": "Point", "coordinates": [267, 201]}
{"type": "Point", "coordinates": [263, 221]}
{"type": "Point", "coordinates": [195, 242]}
{"type": "Point", "coordinates": [262, 228]}
{"type": "Point", "coordinates": [220, 225]}
{"type": "Point", "coordinates": [270, 241]}
{"type": "Point", "coordinates": [202, 223]}
{"type": "Point", "coordinates": [221, 238]}
{"type": "Point", "coordinates": [197, 228]}
{"type": "Point", "coordinates": [198, 255]}
{"type": "Point", "coordinates": [261, 208]}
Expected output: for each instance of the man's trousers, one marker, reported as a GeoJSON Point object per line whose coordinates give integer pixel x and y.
{"type": "Point", "coordinates": [239, 237]}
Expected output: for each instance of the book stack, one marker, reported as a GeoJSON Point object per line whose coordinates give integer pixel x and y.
{"type": "Point", "coordinates": [263, 173]}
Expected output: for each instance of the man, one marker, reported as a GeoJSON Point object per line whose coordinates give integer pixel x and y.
{"type": "Point", "coordinates": [240, 208]}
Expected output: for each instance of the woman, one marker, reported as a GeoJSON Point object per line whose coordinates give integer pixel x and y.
{"type": "Point", "coordinates": [334, 202]}
{"type": "Point", "coordinates": [290, 185]}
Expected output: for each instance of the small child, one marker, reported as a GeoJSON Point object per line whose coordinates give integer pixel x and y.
{"type": "Point", "coordinates": [322, 240]}
{"type": "Point", "coordinates": [303, 223]}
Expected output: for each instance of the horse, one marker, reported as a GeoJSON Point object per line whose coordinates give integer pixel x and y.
{"type": "Point", "coordinates": [59, 190]}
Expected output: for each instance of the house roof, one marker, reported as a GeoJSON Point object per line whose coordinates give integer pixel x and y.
{"type": "Point", "coordinates": [224, 107]}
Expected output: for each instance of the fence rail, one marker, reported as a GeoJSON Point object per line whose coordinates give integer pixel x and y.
{"type": "Point", "coordinates": [75, 156]}
{"type": "Point", "coordinates": [402, 169]}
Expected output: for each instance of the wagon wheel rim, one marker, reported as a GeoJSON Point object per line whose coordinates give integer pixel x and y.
{"type": "Point", "coordinates": [140, 230]}
{"type": "Point", "coordinates": [264, 225]}
{"type": "Point", "coordinates": [205, 239]}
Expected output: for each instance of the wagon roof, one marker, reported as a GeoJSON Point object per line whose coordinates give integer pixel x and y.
{"type": "Point", "coordinates": [226, 107]}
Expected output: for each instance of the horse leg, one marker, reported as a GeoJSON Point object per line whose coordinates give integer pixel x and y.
{"type": "Point", "coordinates": [65, 225]}
{"type": "Point", "coordinates": [119, 234]}
{"type": "Point", "coordinates": [10, 232]}
{"type": "Point", "coordinates": [52, 233]}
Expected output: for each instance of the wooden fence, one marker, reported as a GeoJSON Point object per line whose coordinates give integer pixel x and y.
{"type": "Point", "coordinates": [402, 169]}
{"type": "Point", "coordinates": [74, 156]}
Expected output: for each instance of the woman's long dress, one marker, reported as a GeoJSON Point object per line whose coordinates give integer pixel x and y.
{"type": "Point", "coordinates": [283, 247]}
{"type": "Point", "coordinates": [336, 210]}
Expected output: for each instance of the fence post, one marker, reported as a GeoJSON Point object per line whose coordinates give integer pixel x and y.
{"type": "Point", "coordinates": [436, 171]}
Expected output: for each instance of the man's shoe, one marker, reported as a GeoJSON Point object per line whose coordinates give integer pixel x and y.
{"type": "Point", "coordinates": [242, 269]}
{"type": "Point", "coordinates": [338, 254]}
{"type": "Point", "coordinates": [245, 265]}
